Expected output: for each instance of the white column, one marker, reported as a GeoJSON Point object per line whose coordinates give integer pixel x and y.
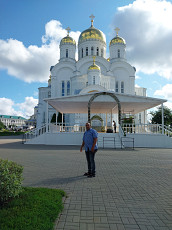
{"type": "Point", "coordinates": [47, 119]}
{"type": "Point", "coordinates": [106, 122]}
{"type": "Point", "coordinates": [56, 117]}
{"type": "Point", "coordinates": [62, 122]}
{"type": "Point", "coordinates": [111, 118]}
{"type": "Point", "coordinates": [162, 112]}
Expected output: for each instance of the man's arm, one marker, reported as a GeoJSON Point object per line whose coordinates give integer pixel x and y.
{"type": "Point", "coordinates": [82, 146]}
{"type": "Point", "coordinates": [94, 143]}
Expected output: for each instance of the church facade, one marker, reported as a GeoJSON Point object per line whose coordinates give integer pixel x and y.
{"type": "Point", "coordinates": [91, 72]}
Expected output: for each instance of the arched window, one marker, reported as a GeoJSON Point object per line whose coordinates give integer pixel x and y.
{"type": "Point", "coordinates": [122, 87]}
{"type": "Point", "coordinates": [116, 87]}
{"type": "Point", "coordinates": [92, 50]}
{"type": "Point", "coordinates": [97, 51]}
{"type": "Point", "coordinates": [82, 53]}
{"type": "Point", "coordinates": [101, 52]}
{"type": "Point", "coordinates": [87, 83]}
{"type": "Point", "coordinates": [118, 53]}
{"type": "Point", "coordinates": [63, 88]}
{"type": "Point", "coordinates": [66, 53]}
{"type": "Point", "coordinates": [68, 88]}
{"type": "Point", "coordinates": [86, 51]}
{"type": "Point", "coordinates": [94, 80]}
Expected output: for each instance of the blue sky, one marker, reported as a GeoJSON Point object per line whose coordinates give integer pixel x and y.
{"type": "Point", "coordinates": [30, 32]}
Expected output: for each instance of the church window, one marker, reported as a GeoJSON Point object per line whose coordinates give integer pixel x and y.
{"type": "Point", "coordinates": [82, 53]}
{"type": "Point", "coordinates": [86, 51]}
{"type": "Point", "coordinates": [87, 83]}
{"type": "Point", "coordinates": [94, 80]}
{"type": "Point", "coordinates": [101, 52]}
{"type": "Point", "coordinates": [68, 88]}
{"type": "Point", "coordinates": [63, 88]}
{"type": "Point", "coordinates": [92, 50]}
{"type": "Point", "coordinates": [122, 87]}
{"type": "Point", "coordinates": [116, 87]}
{"type": "Point", "coordinates": [66, 53]}
{"type": "Point", "coordinates": [97, 51]}
{"type": "Point", "coordinates": [118, 53]}
{"type": "Point", "coordinates": [49, 94]}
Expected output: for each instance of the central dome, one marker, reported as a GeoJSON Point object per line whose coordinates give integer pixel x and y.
{"type": "Point", "coordinates": [91, 34]}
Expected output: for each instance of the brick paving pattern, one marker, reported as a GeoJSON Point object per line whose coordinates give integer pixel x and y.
{"type": "Point", "coordinates": [132, 189]}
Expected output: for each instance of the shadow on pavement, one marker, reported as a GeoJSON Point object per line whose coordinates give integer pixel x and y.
{"type": "Point", "coordinates": [58, 180]}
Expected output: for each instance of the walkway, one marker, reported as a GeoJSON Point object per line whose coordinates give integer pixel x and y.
{"type": "Point", "coordinates": [132, 189]}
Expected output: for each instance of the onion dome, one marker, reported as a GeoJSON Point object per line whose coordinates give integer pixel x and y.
{"type": "Point", "coordinates": [117, 39]}
{"type": "Point", "coordinates": [67, 39]}
{"type": "Point", "coordinates": [94, 66]}
{"type": "Point", "coordinates": [92, 33]}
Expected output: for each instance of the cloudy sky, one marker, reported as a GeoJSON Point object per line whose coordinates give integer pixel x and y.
{"type": "Point", "coordinates": [31, 30]}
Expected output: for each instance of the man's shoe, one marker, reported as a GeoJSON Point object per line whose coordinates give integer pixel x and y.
{"type": "Point", "coordinates": [90, 176]}
{"type": "Point", "coordinates": [87, 174]}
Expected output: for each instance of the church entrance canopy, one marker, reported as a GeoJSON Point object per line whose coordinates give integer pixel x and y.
{"type": "Point", "coordinates": [130, 104]}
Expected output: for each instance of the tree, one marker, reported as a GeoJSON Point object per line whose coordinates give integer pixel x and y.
{"type": "Point", "coordinates": [157, 116]}
{"type": "Point", "coordinates": [2, 126]}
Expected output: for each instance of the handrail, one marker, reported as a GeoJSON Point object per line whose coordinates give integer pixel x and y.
{"type": "Point", "coordinates": [109, 139]}
{"type": "Point", "coordinates": [131, 140]}
{"type": "Point", "coordinates": [147, 128]}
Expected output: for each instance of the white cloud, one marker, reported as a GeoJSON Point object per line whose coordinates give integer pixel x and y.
{"type": "Point", "coordinates": [6, 106]}
{"type": "Point", "coordinates": [166, 92]}
{"type": "Point", "coordinates": [32, 64]}
{"type": "Point", "coordinates": [27, 107]}
{"type": "Point", "coordinates": [24, 109]}
{"type": "Point", "coordinates": [146, 27]}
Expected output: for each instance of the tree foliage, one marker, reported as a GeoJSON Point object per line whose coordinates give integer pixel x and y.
{"type": "Point", "coordinates": [2, 126]}
{"type": "Point", "coordinates": [157, 116]}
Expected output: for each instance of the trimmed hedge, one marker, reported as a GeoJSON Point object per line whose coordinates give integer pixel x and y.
{"type": "Point", "coordinates": [10, 133]}
{"type": "Point", "coordinates": [10, 180]}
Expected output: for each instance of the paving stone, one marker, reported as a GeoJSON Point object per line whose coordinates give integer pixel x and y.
{"type": "Point", "coordinates": [131, 190]}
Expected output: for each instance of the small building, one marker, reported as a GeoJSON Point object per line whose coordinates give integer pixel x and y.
{"type": "Point", "coordinates": [12, 121]}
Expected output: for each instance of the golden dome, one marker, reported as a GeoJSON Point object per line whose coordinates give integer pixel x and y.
{"type": "Point", "coordinates": [67, 40]}
{"type": "Point", "coordinates": [91, 34]}
{"type": "Point", "coordinates": [94, 66]}
{"type": "Point", "coordinates": [117, 40]}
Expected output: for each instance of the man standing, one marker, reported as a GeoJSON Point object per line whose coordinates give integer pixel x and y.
{"type": "Point", "coordinates": [90, 143]}
{"type": "Point", "coordinates": [114, 126]}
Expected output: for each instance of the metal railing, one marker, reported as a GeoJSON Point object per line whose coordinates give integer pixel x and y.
{"type": "Point", "coordinates": [147, 128]}
{"type": "Point", "coordinates": [125, 141]}
{"type": "Point", "coordinates": [108, 139]}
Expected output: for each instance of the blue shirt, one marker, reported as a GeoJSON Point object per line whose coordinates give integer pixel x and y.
{"type": "Point", "coordinates": [88, 139]}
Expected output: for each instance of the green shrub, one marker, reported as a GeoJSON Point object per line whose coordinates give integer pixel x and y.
{"type": "Point", "coordinates": [10, 180]}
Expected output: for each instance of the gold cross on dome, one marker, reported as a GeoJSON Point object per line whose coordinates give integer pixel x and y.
{"type": "Point", "coordinates": [94, 58]}
{"type": "Point", "coordinates": [68, 29]}
{"type": "Point", "coordinates": [117, 30]}
{"type": "Point", "coordinates": [92, 19]}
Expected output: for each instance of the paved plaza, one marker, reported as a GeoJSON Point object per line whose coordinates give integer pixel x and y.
{"type": "Point", "coordinates": [132, 188]}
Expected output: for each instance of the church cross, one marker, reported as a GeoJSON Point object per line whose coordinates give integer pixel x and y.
{"type": "Point", "coordinates": [94, 58]}
{"type": "Point", "coordinates": [92, 19]}
{"type": "Point", "coordinates": [68, 29]}
{"type": "Point", "coordinates": [117, 30]}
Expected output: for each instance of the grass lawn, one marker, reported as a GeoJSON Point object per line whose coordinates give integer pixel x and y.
{"type": "Point", "coordinates": [35, 209]}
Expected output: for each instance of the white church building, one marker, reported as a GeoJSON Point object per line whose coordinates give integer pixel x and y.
{"type": "Point", "coordinates": [95, 88]}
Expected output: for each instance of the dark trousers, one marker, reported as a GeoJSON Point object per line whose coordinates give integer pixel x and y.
{"type": "Point", "coordinates": [90, 161]}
